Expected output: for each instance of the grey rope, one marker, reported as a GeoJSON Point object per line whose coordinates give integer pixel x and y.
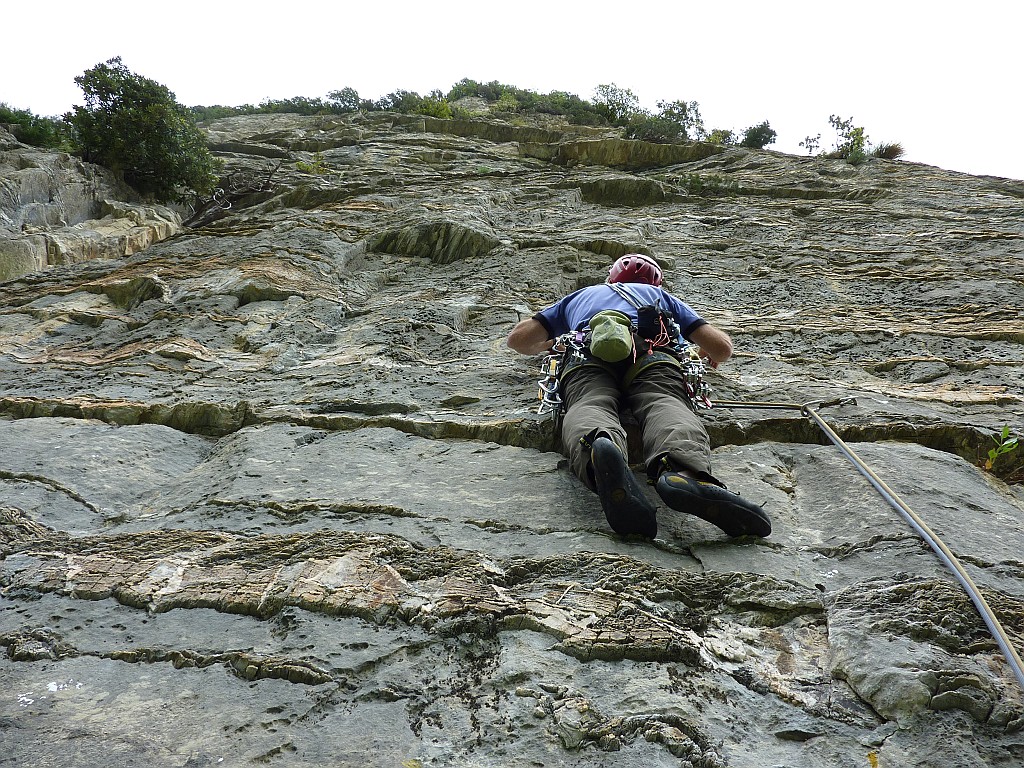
{"type": "Point", "coordinates": [940, 549]}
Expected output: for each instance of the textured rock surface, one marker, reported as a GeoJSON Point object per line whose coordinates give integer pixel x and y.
{"type": "Point", "coordinates": [55, 209]}
{"type": "Point", "coordinates": [273, 492]}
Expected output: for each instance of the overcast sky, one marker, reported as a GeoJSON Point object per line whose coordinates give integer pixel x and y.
{"type": "Point", "coordinates": [943, 79]}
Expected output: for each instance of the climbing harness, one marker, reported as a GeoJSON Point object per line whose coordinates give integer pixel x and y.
{"type": "Point", "coordinates": [655, 331]}
{"type": "Point", "coordinates": [915, 522]}
{"type": "Point", "coordinates": [572, 348]}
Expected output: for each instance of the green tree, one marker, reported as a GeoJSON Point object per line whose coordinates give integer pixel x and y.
{"type": "Point", "coordinates": [617, 105]}
{"type": "Point", "coordinates": [676, 121]}
{"type": "Point", "coordinates": [723, 137]}
{"type": "Point", "coordinates": [687, 114]}
{"type": "Point", "coordinates": [135, 127]}
{"type": "Point", "coordinates": [406, 102]}
{"type": "Point", "coordinates": [758, 136]}
{"type": "Point", "coordinates": [344, 100]}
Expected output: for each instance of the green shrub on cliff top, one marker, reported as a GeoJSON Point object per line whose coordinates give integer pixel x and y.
{"type": "Point", "coordinates": [344, 100]}
{"type": "Point", "coordinates": [435, 105]}
{"type": "Point", "coordinates": [617, 104]}
{"type": "Point", "coordinates": [723, 137]}
{"type": "Point", "coordinates": [675, 121]}
{"type": "Point", "coordinates": [758, 136]}
{"type": "Point", "coordinates": [852, 144]}
{"type": "Point", "coordinates": [136, 128]}
{"type": "Point", "coordinates": [405, 102]}
{"type": "Point", "coordinates": [658, 130]}
{"type": "Point", "coordinates": [852, 141]}
{"type": "Point", "coordinates": [32, 129]}
{"type": "Point", "coordinates": [512, 99]}
{"type": "Point", "coordinates": [888, 150]}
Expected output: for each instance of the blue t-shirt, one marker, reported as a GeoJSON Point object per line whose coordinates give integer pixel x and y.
{"type": "Point", "coordinates": [575, 310]}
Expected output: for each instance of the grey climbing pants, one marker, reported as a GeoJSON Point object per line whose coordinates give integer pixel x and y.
{"type": "Point", "coordinates": [594, 398]}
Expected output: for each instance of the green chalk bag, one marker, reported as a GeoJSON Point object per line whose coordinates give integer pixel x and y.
{"type": "Point", "coordinates": [611, 336]}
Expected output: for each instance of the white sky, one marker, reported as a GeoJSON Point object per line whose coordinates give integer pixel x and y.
{"type": "Point", "coordinates": [942, 79]}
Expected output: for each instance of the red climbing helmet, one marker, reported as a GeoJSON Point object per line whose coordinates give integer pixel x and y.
{"type": "Point", "coordinates": [635, 268]}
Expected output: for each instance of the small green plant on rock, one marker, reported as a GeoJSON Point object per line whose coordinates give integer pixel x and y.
{"type": "Point", "coordinates": [888, 151]}
{"type": "Point", "coordinates": [852, 141]}
{"type": "Point", "coordinates": [1004, 444]}
{"type": "Point", "coordinates": [435, 105]}
{"type": "Point", "coordinates": [316, 166]}
{"type": "Point", "coordinates": [852, 144]}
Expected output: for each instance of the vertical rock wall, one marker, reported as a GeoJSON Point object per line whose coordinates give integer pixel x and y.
{"type": "Point", "coordinates": [273, 490]}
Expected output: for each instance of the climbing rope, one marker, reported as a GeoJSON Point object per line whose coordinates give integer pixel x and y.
{"type": "Point", "coordinates": [947, 557]}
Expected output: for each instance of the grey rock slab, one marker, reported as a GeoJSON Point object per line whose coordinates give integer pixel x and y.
{"type": "Point", "coordinates": [105, 469]}
{"type": "Point", "coordinates": [92, 711]}
{"type": "Point", "coordinates": [274, 490]}
{"type": "Point", "coordinates": [290, 642]}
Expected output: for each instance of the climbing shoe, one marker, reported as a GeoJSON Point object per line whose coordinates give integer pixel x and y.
{"type": "Point", "coordinates": [622, 498]}
{"type": "Point", "coordinates": [719, 506]}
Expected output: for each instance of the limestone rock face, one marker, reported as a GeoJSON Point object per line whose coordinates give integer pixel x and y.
{"type": "Point", "coordinates": [273, 490]}
{"type": "Point", "coordinates": [55, 209]}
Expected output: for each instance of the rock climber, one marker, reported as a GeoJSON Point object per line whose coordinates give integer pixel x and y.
{"type": "Point", "coordinates": [620, 369]}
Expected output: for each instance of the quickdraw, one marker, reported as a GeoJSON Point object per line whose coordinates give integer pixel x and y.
{"type": "Point", "coordinates": [693, 368]}
{"type": "Point", "coordinates": [566, 347]}
{"type": "Point", "coordinates": [547, 386]}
